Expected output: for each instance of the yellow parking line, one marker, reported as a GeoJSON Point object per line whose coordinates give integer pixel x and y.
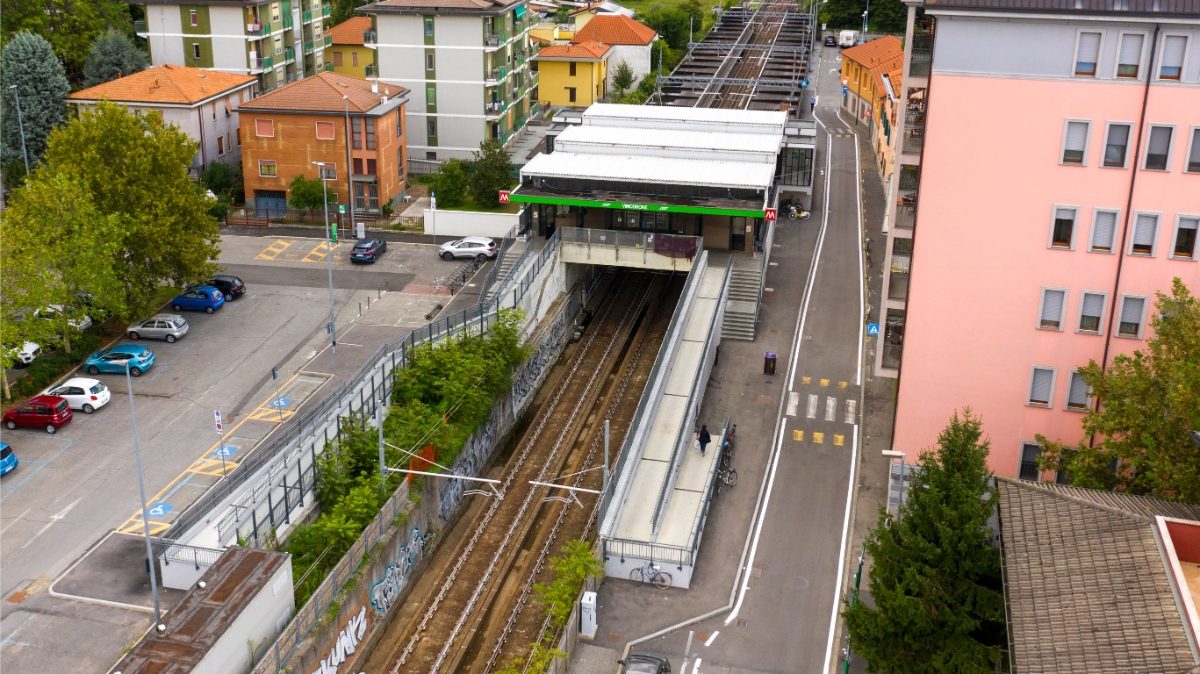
{"type": "Point", "coordinates": [135, 520]}
{"type": "Point", "coordinates": [319, 253]}
{"type": "Point", "coordinates": [272, 251]}
{"type": "Point", "coordinates": [824, 383]}
{"type": "Point", "coordinates": [843, 383]}
{"type": "Point", "coordinates": [269, 414]}
{"type": "Point", "coordinates": [212, 467]}
{"type": "Point", "coordinates": [798, 435]}
{"type": "Point", "coordinates": [806, 380]}
{"type": "Point", "coordinates": [818, 438]}
{"type": "Point", "coordinates": [136, 527]}
{"type": "Point", "coordinates": [839, 440]}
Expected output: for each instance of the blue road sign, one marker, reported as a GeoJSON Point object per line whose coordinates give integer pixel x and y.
{"type": "Point", "coordinates": [160, 509]}
{"type": "Point", "coordinates": [803, 84]}
{"type": "Point", "coordinates": [872, 329]}
{"type": "Point", "coordinates": [225, 451]}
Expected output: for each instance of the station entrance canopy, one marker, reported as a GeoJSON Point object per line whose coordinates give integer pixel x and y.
{"type": "Point", "coordinates": [629, 206]}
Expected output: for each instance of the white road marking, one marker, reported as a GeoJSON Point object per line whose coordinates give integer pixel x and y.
{"type": "Point", "coordinates": [696, 667]}
{"type": "Point", "coordinates": [53, 519]}
{"type": "Point", "coordinates": [793, 403]}
{"type": "Point", "coordinates": [711, 638]}
{"type": "Point", "coordinates": [812, 405]}
{"type": "Point", "coordinates": [851, 405]}
{"type": "Point", "coordinates": [830, 407]}
{"type": "Point", "coordinates": [15, 520]}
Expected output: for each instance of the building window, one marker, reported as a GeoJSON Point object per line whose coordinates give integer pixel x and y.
{"type": "Point", "coordinates": [358, 166]}
{"type": "Point", "coordinates": [325, 131]}
{"type": "Point", "coordinates": [1064, 228]}
{"type": "Point", "coordinates": [371, 167]}
{"type": "Point", "coordinates": [1130, 58]}
{"type": "Point", "coordinates": [429, 26]}
{"type": "Point", "coordinates": [1115, 146]}
{"type": "Point", "coordinates": [355, 134]}
{"type": "Point", "coordinates": [196, 51]}
{"type": "Point", "coordinates": [571, 94]}
{"type": "Point", "coordinates": [399, 122]}
{"type": "Point", "coordinates": [1053, 300]}
{"type": "Point", "coordinates": [1185, 237]}
{"type": "Point", "coordinates": [1145, 231]}
{"type": "Point", "coordinates": [1075, 143]}
{"type": "Point", "coordinates": [1132, 309]}
{"type": "Point", "coordinates": [1104, 229]}
{"type": "Point", "coordinates": [264, 128]}
{"type": "Point", "coordinates": [354, 59]}
{"type": "Point", "coordinates": [1091, 312]}
{"type": "Point", "coordinates": [194, 17]}
{"type": "Point", "coordinates": [366, 195]}
{"type": "Point", "coordinates": [429, 60]}
{"type": "Point", "coordinates": [337, 59]}
{"type": "Point", "coordinates": [327, 171]}
{"type": "Point", "coordinates": [1041, 386]}
{"type": "Point", "coordinates": [1078, 393]}
{"type": "Point", "coordinates": [1030, 451]}
{"type": "Point", "coordinates": [431, 127]}
{"type": "Point", "coordinates": [1087, 53]}
{"type": "Point", "coordinates": [1174, 47]}
{"type": "Point", "coordinates": [370, 122]}
{"type": "Point", "coordinates": [430, 95]}
{"type": "Point", "coordinates": [1158, 148]}
{"type": "Point", "coordinates": [431, 156]}
{"type": "Point", "coordinates": [220, 146]}
{"type": "Point", "coordinates": [1193, 158]}
{"type": "Point", "coordinates": [266, 168]}
{"type": "Point", "coordinates": [571, 67]}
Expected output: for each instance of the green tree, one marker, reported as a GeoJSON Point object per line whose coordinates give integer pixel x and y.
{"type": "Point", "coordinates": [493, 172]}
{"type": "Point", "coordinates": [622, 78]}
{"type": "Point", "coordinates": [69, 25]}
{"type": "Point", "coordinates": [344, 9]}
{"type": "Point", "coordinates": [135, 167]}
{"type": "Point", "coordinates": [886, 16]}
{"type": "Point", "coordinates": [1147, 402]}
{"type": "Point", "coordinates": [935, 577]}
{"type": "Point", "coordinates": [450, 184]}
{"type": "Point", "coordinates": [562, 15]}
{"type": "Point", "coordinates": [574, 564]}
{"type": "Point", "coordinates": [31, 66]}
{"type": "Point", "coordinates": [309, 194]}
{"type": "Point", "coordinates": [112, 55]}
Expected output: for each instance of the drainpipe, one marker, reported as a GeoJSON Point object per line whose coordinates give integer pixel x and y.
{"type": "Point", "coordinates": [203, 154]}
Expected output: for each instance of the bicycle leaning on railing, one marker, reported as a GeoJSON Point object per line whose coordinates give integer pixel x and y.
{"type": "Point", "coordinates": [725, 476]}
{"type": "Point", "coordinates": [650, 573]}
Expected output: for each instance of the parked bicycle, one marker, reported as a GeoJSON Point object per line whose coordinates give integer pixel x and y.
{"type": "Point", "coordinates": [725, 476]}
{"type": "Point", "coordinates": [650, 573]}
{"type": "Point", "coordinates": [727, 445]}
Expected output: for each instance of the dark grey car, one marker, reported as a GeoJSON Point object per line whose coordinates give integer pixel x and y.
{"type": "Point", "coordinates": [645, 664]}
{"type": "Point", "coordinates": [159, 326]}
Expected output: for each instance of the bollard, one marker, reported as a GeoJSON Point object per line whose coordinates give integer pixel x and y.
{"type": "Point", "coordinates": [360, 309]}
{"type": "Point", "coordinates": [769, 360]}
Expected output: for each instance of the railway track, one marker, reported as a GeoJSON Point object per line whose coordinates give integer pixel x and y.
{"type": "Point", "coordinates": [472, 599]}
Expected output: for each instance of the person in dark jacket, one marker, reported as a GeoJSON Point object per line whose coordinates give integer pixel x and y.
{"type": "Point", "coordinates": [704, 438]}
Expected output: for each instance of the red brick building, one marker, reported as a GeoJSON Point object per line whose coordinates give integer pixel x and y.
{"type": "Point", "coordinates": [284, 131]}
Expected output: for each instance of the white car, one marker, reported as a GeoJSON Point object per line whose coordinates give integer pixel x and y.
{"type": "Point", "coordinates": [75, 319]}
{"type": "Point", "coordinates": [477, 247]}
{"type": "Point", "coordinates": [25, 355]}
{"type": "Point", "coordinates": [82, 393]}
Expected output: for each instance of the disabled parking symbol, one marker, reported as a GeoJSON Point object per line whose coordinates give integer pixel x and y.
{"type": "Point", "coordinates": [225, 452]}
{"type": "Point", "coordinates": [160, 509]}
{"type": "Point", "coordinates": [281, 402]}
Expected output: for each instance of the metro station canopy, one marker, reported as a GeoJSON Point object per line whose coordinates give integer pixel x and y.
{"type": "Point", "coordinates": [668, 159]}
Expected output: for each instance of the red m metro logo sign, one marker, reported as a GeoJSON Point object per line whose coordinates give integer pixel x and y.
{"type": "Point", "coordinates": [770, 214]}
{"type": "Point", "coordinates": [504, 196]}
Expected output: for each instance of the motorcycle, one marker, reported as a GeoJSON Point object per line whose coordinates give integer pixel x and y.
{"type": "Point", "coordinates": [795, 212]}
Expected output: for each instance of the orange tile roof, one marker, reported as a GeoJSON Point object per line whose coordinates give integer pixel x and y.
{"type": "Point", "coordinates": [876, 52]}
{"type": "Point", "coordinates": [582, 50]}
{"type": "Point", "coordinates": [615, 29]}
{"type": "Point", "coordinates": [351, 30]}
{"type": "Point", "coordinates": [169, 84]}
{"type": "Point", "coordinates": [323, 93]}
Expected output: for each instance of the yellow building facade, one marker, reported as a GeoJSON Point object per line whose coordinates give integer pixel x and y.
{"type": "Point", "coordinates": [347, 53]}
{"type": "Point", "coordinates": [572, 75]}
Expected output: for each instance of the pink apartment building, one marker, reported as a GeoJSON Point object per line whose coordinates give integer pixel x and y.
{"type": "Point", "coordinates": [1049, 184]}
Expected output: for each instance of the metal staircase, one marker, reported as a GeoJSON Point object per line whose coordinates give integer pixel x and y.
{"type": "Point", "coordinates": [741, 309]}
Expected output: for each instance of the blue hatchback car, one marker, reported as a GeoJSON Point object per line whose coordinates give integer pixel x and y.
{"type": "Point", "coordinates": [112, 360]}
{"type": "Point", "coordinates": [8, 459]}
{"type": "Point", "coordinates": [199, 298]}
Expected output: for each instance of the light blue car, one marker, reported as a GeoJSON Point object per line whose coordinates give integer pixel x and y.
{"type": "Point", "coordinates": [199, 298]}
{"type": "Point", "coordinates": [113, 360]}
{"type": "Point", "coordinates": [8, 459]}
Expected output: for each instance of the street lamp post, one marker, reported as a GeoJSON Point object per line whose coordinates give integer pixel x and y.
{"type": "Point", "coordinates": [137, 458]}
{"type": "Point", "coordinates": [330, 326]}
{"type": "Point", "coordinates": [21, 125]}
{"type": "Point", "coordinates": [349, 164]}
{"type": "Point", "coordinates": [866, 12]}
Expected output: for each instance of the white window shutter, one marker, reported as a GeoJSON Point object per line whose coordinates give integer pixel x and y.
{"type": "Point", "coordinates": [1104, 230]}
{"type": "Point", "coordinates": [1040, 390]}
{"type": "Point", "coordinates": [1076, 135]}
{"type": "Point", "coordinates": [1078, 395]}
{"type": "Point", "coordinates": [1131, 49]}
{"type": "Point", "coordinates": [1173, 49]}
{"type": "Point", "coordinates": [1131, 310]}
{"type": "Point", "coordinates": [1143, 231]}
{"type": "Point", "coordinates": [1089, 47]}
{"type": "Point", "coordinates": [1052, 306]}
{"type": "Point", "coordinates": [1093, 304]}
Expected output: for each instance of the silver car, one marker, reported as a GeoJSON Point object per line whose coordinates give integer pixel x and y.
{"type": "Point", "coordinates": [159, 326]}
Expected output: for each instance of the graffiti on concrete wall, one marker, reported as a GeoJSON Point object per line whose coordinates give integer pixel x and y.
{"type": "Point", "coordinates": [472, 460]}
{"type": "Point", "coordinates": [527, 380]}
{"type": "Point", "coordinates": [347, 642]}
{"type": "Point", "coordinates": [385, 592]}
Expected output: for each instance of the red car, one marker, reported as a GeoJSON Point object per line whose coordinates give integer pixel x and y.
{"type": "Point", "coordinates": [48, 412]}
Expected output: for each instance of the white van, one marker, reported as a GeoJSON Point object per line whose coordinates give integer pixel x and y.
{"type": "Point", "coordinates": [847, 38]}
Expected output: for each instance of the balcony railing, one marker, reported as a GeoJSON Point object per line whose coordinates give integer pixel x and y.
{"type": "Point", "coordinates": [922, 56]}
{"type": "Point", "coordinates": [289, 54]}
{"type": "Point", "coordinates": [287, 22]}
{"type": "Point", "coordinates": [495, 108]}
{"type": "Point", "coordinates": [496, 75]}
{"type": "Point", "coordinates": [329, 67]}
{"type": "Point", "coordinates": [370, 70]}
{"type": "Point", "coordinates": [326, 10]}
{"type": "Point", "coordinates": [253, 28]}
{"type": "Point", "coordinates": [368, 37]}
{"type": "Point", "coordinates": [328, 40]}
{"type": "Point", "coordinates": [308, 47]}
{"type": "Point", "coordinates": [263, 63]}
{"type": "Point", "coordinates": [139, 26]}
{"type": "Point", "coordinates": [307, 16]}
{"type": "Point", "coordinates": [495, 39]}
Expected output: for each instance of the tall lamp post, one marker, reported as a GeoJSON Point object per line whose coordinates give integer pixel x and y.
{"type": "Point", "coordinates": [21, 125]}
{"type": "Point", "coordinates": [330, 327]}
{"type": "Point", "coordinates": [137, 458]}
{"type": "Point", "coordinates": [349, 164]}
{"type": "Point", "coordinates": [866, 12]}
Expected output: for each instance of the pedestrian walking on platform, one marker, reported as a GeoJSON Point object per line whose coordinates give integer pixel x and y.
{"type": "Point", "coordinates": [704, 438]}
{"type": "Point", "coordinates": [812, 104]}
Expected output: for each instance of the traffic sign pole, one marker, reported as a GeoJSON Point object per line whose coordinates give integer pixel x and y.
{"type": "Point", "coordinates": [220, 445]}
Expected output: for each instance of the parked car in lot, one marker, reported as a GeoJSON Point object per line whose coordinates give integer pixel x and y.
{"type": "Point", "coordinates": [75, 318]}
{"type": "Point", "coordinates": [199, 298]}
{"type": "Point", "coordinates": [645, 664]}
{"type": "Point", "coordinates": [112, 360]}
{"type": "Point", "coordinates": [81, 393]}
{"type": "Point", "coordinates": [25, 355]}
{"type": "Point", "coordinates": [159, 326]}
{"type": "Point", "coordinates": [830, 41]}
{"type": "Point", "coordinates": [42, 411]}
{"type": "Point", "coordinates": [8, 459]}
{"type": "Point", "coordinates": [366, 251]}
{"type": "Point", "coordinates": [477, 247]}
{"type": "Point", "coordinates": [230, 286]}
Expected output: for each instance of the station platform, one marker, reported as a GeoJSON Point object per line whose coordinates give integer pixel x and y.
{"type": "Point", "coordinates": [661, 488]}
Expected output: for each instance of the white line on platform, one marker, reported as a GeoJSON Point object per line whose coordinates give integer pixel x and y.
{"type": "Point", "coordinates": [830, 408]}
{"type": "Point", "coordinates": [812, 406]}
{"type": "Point", "coordinates": [696, 667]}
{"type": "Point", "coordinates": [15, 520]}
{"type": "Point", "coordinates": [711, 638]}
{"type": "Point", "coordinates": [851, 405]}
{"type": "Point", "coordinates": [793, 403]}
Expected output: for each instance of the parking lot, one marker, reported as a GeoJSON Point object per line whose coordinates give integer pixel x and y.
{"type": "Point", "coordinates": [76, 485]}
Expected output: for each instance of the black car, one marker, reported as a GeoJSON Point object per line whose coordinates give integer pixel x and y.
{"type": "Point", "coordinates": [830, 41]}
{"type": "Point", "coordinates": [645, 664]}
{"type": "Point", "coordinates": [230, 286]}
{"type": "Point", "coordinates": [367, 251]}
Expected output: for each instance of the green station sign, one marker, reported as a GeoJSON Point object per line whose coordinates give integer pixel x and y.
{"type": "Point", "coordinates": [624, 206]}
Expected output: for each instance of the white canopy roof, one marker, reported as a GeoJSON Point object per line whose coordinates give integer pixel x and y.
{"type": "Point", "coordinates": [657, 170]}
{"type": "Point", "coordinates": [682, 140]}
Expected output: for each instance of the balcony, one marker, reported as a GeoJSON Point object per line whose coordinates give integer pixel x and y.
{"type": "Point", "coordinates": [371, 70]}
{"type": "Point", "coordinates": [254, 28]}
{"type": "Point", "coordinates": [307, 16]}
{"type": "Point", "coordinates": [287, 22]}
{"type": "Point", "coordinates": [496, 75]}
{"type": "Point", "coordinates": [308, 48]}
{"type": "Point", "coordinates": [495, 39]}
{"type": "Point", "coordinates": [922, 55]}
{"type": "Point", "coordinates": [329, 67]}
{"type": "Point", "coordinates": [495, 108]}
{"type": "Point", "coordinates": [289, 55]}
{"type": "Point", "coordinates": [264, 63]}
{"type": "Point", "coordinates": [139, 26]}
{"type": "Point", "coordinates": [326, 10]}
{"type": "Point", "coordinates": [328, 40]}
{"type": "Point", "coordinates": [368, 38]}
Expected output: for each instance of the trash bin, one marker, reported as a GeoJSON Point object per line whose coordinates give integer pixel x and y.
{"type": "Point", "coordinates": [769, 360]}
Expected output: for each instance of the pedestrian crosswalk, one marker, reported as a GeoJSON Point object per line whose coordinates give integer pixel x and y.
{"type": "Point", "coordinates": [829, 410]}
{"type": "Point", "coordinates": [835, 402]}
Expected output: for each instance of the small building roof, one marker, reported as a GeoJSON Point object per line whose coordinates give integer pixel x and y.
{"type": "Point", "coordinates": [1086, 583]}
{"type": "Point", "coordinates": [661, 116]}
{"type": "Point", "coordinates": [616, 29]}
{"type": "Point", "coordinates": [165, 84]}
{"type": "Point", "coordinates": [603, 137]}
{"type": "Point", "coordinates": [351, 30]}
{"type": "Point", "coordinates": [583, 50]}
{"type": "Point", "coordinates": [656, 170]}
{"type": "Point", "coordinates": [878, 52]}
{"type": "Point", "coordinates": [322, 93]}
{"type": "Point", "coordinates": [450, 6]}
{"type": "Point", "coordinates": [1085, 7]}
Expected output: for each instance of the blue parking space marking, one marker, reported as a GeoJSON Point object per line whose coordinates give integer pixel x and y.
{"type": "Point", "coordinates": [281, 401]}
{"type": "Point", "coordinates": [28, 469]}
{"type": "Point", "coordinates": [225, 451]}
{"type": "Point", "coordinates": [160, 509]}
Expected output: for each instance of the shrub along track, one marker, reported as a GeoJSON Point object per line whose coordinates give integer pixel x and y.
{"type": "Point", "coordinates": [481, 565]}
